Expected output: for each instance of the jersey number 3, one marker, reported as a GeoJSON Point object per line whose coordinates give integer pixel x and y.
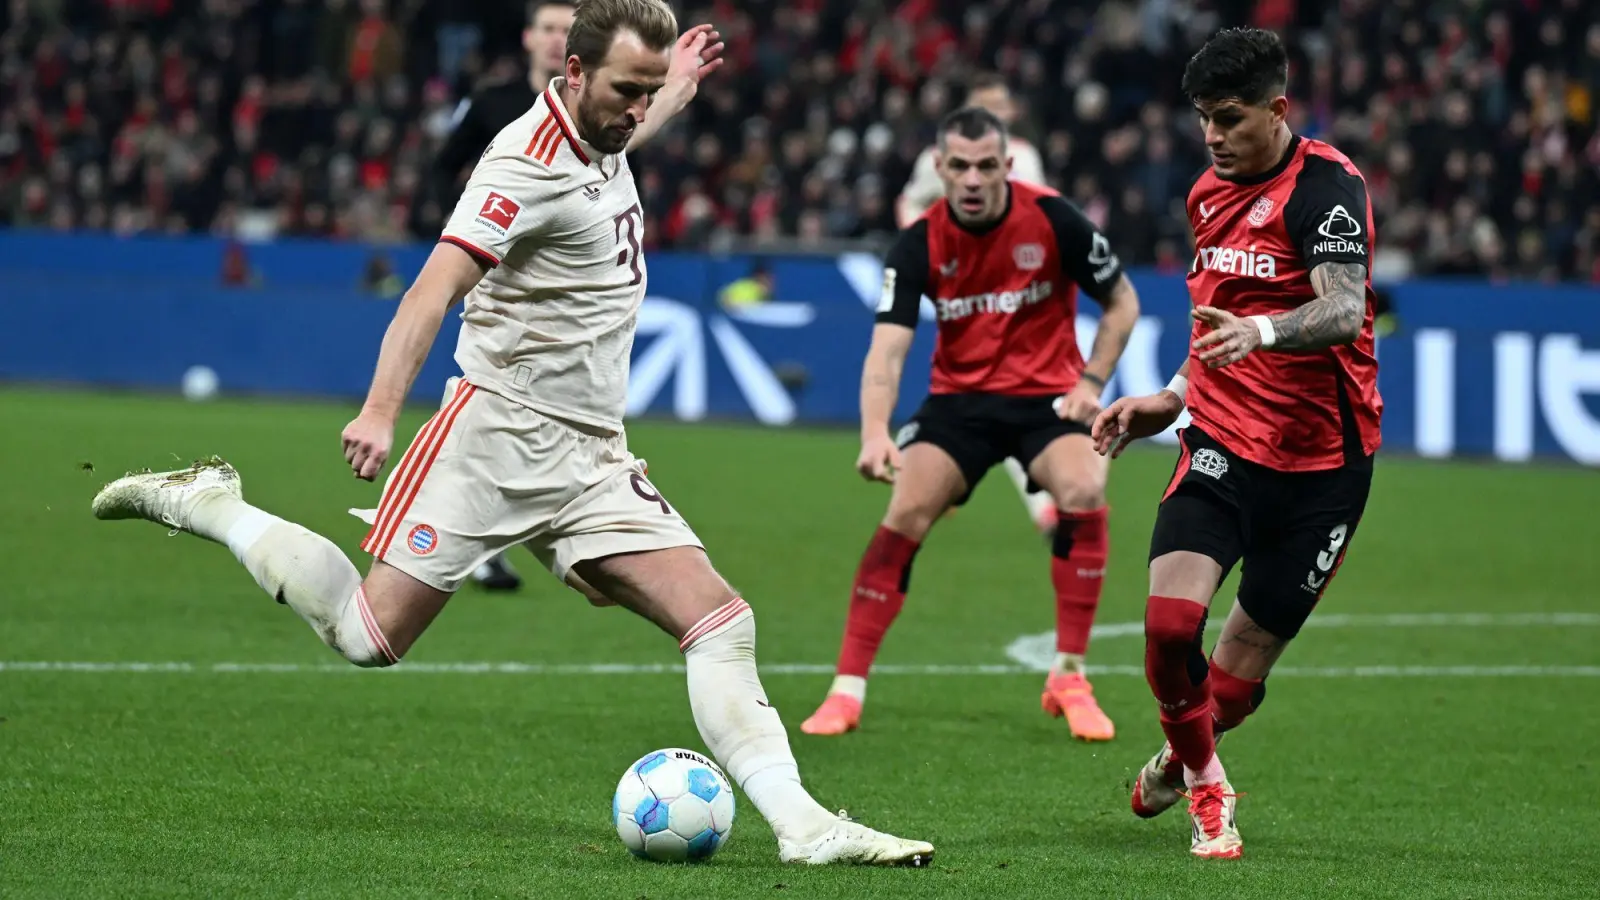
{"type": "Point", "coordinates": [628, 223]}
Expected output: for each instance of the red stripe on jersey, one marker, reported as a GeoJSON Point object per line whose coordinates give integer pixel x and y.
{"type": "Point", "coordinates": [545, 129]}
{"type": "Point", "coordinates": [474, 249]}
{"type": "Point", "coordinates": [549, 146]}
{"type": "Point", "coordinates": [561, 122]}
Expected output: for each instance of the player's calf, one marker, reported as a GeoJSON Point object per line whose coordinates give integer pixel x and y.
{"type": "Point", "coordinates": [1233, 698]}
{"type": "Point", "coordinates": [293, 565]}
{"type": "Point", "coordinates": [1176, 670]}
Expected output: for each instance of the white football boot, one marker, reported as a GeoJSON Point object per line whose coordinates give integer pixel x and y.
{"type": "Point", "coordinates": [851, 843]}
{"type": "Point", "coordinates": [1156, 787]}
{"type": "Point", "coordinates": [166, 498]}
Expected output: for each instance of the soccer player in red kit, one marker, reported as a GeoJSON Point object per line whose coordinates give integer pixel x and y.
{"type": "Point", "coordinates": [1002, 263]}
{"type": "Point", "coordinates": [1282, 386]}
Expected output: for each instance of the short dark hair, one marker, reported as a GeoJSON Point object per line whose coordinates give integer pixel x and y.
{"type": "Point", "coordinates": [1248, 63]}
{"type": "Point", "coordinates": [972, 123]}
{"type": "Point", "coordinates": [595, 24]}
{"type": "Point", "coordinates": [986, 81]}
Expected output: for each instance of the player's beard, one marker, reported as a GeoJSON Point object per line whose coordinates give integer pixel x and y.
{"type": "Point", "coordinates": [607, 136]}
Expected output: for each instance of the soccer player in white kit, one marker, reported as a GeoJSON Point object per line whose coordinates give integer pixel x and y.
{"type": "Point", "coordinates": [544, 247]}
{"type": "Point", "coordinates": [925, 188]}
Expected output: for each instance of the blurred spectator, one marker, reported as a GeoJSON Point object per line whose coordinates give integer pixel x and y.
{"type": "Point", "coordinates": [752, 290]}
{"type": "Point", "coordinates": [380, 278]}
{"type": "Point", "coordinates": [1475, 123]}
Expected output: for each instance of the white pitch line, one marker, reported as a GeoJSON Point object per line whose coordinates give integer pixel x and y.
{"type": "Point", "coordinates": [1036, 652]}
{"type": "Point", "coordinates": [518, 668]}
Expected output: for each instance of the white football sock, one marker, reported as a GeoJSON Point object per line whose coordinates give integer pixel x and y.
{"type": "Point", "coordinates": [1211, 774]}
{"type": "Point", "coordinates": [851, 686]}
{"type": "Point", "coordinates": [302, 569]}
{"type": "Point", "coordinates": [741, 729]}
{"type": "Point", "coordinates": [1070, 663]}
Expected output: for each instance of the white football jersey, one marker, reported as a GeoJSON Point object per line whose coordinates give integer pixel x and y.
{"type": "Point", "coordinates": [551, 325]}
{"type": "Point", "coordinates": [925, 189]}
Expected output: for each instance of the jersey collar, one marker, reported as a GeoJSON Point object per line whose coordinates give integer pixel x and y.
{"type": "Point", "coordinates": [1275, 171]}
{"type": "Point", "coordinates": [984, 229]}
{"type": "Point", "coordinates": [552, 97]}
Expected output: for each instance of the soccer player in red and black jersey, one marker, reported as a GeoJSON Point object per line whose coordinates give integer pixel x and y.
{"type": "Point", "coordinates": [1281, 383]}
{"type": "Point", "coordinates": [1002, 263]}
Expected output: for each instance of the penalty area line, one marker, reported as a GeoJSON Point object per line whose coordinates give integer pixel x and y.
{"type": "Point", "coordinates": [521, 668]}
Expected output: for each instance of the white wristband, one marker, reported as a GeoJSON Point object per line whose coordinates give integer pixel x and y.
{"type": "Point", "coordinates": [1269, 335]}
{"type": "Point", "coordinates": [1179, 385]}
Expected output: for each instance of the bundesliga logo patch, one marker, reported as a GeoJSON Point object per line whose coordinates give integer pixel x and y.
{"type": "Point", "coordinates": [1209, 462]}
{"type": "Point", "coordinates": [422, 540]}
{"type": "Point", "coordinates": [498, 212]}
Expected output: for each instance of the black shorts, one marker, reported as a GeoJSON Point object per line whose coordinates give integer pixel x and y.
{"type": "Point", "coordinates": [981, 430]}
{"type": "Point", "coordinates": [1291, 529]}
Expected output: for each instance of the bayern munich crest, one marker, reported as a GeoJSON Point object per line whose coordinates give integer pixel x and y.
{"type": "Point", "coordinates": [1259, 212]}
{"type": "Point", "coordinates": [422, 540]}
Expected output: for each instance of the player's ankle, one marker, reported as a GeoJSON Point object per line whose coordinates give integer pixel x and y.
{"type": "Point", "coordinates": [1210, 773]}
{"type": "Point", "coordinates": [783, 801]}
{"type": "Point", "coordinates": [1069, 664]}
{"type": "Point", "coordinates": [853, 686]}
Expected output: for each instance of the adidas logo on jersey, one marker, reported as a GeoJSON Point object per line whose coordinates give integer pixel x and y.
{"type": "Point", "coordinates": [1003, 302]}
{"type": "Point", "coordinates": [1234, 261]}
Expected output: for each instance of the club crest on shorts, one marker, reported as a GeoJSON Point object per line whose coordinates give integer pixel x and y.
{"type": "Point", "coordinates": [1209, 462]}
{"type": "Point", "coordinates": [1029, 257]}
{"type": "Point", "coordinates": [1259, 212]}
{"type": "Point", "coordinates": [422, 540]}
{"type": "Point", "coordinates": [906, 433]}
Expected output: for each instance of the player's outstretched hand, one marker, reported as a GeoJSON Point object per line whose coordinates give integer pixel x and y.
{"type": "Point", "coordinates": [1081, 404]}
{"type": "Point", "coordinates": [366, 444]}
{"type": "Point", "coordinates": [698, 53]}
{"type": "Point", "coordinates": [879, 459]}
{"type": "Point", "coordinates": [1230, 339]}
{"type": "Point", "coordinates": [1130, 418]}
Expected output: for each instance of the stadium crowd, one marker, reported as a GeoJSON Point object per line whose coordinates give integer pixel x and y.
{"type": "Point", "coordinates": [1474, 121]}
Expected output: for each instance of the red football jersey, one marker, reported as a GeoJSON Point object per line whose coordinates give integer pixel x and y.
{"type": "Point", "coordinates": [1006, 295]}
{"type": "Point", "coordinates": [1257, 240]}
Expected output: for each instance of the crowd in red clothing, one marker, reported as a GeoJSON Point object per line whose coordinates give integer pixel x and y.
{"type": "Point", "coordinates": [1474, 122]}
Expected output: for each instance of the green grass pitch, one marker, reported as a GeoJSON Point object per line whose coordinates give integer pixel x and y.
{"type": "Point", "coordinates": [1461, 778]}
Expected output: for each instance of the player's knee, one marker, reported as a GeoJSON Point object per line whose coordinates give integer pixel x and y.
{"type": "Point", "coordinates": [1172, 624]}
{"type": "Point", "coordinates": [359, 638]}
{"type": "Point", "coordinates": [360, 649]}
{"type": "Point", "coordinates": [1081, 496]}
{"type": "Point", "coordinates": [911, 520]}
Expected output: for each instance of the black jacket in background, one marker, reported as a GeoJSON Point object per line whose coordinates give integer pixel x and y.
{"type": "Point", "coordinates": [489, 110]}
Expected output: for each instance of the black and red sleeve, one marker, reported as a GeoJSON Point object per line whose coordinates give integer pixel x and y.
{"type": "Point", "coordinates": [1086, 254]}
{"type": "Point", "coordinates": [1327, 214]}
{"type": "Point", "coordinates": [905, 276]}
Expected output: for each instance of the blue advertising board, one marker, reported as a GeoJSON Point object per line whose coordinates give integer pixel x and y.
{"type": "Point", "coordinates": [1510, 371]}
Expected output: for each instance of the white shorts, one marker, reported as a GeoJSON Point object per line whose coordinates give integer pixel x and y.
{"type": "Point", "coordinates": [485, 474]}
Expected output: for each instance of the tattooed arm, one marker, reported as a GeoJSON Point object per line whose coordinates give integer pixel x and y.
{"type": "Point", "coordinates": [1333, 318]}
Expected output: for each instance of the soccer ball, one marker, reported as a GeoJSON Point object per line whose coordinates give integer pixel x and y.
{"type": "Point", "coordinates": [673, 806]}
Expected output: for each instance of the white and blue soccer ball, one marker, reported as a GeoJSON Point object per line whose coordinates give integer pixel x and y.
{"type": "Point", "coordinates": [673, 806]}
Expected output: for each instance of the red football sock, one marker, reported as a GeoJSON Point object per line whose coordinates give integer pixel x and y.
{"type": "Point", "coordinates": [1078, 569]}
{"type": "Point", "coordinates": [1233, 698]}
{"type": "Point", "coordinates": [880, 591]}
{"type": "Point", "coordinates": [1176, 670]}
